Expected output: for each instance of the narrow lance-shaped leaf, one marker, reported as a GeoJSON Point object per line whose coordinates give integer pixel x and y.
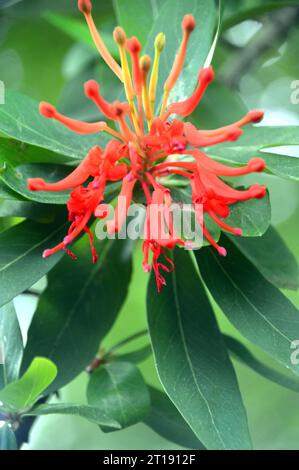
{"type": "Point", "coordinates": [119, 390]}
{"type": "Point", "coordinates": [11, 345]}
{"type": "Point", "coordinates": [271, 257]}
{"type": "Point", "coordinates": [79, 307]}
{"type": "Point", "coordinates": [165, 420]}
{"type": "Point", "coordinates": [24, 392]}
{"type": "Point", "coordinates": [21, 248]}
{"type": "Point", "coordinates": [253, 305]}
{"type": "Point", "coordinates": [192, 361]}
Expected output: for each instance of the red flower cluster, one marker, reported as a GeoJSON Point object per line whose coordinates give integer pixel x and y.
{"type": "Point", "coordinates": [139, 156]}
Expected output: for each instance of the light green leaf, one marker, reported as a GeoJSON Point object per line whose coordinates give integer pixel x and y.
{"type": "Point", "coordinates": [7, 438]}
{"type": "Point", "coordinates": [254, 306]}
{"type": "Point", "coordinates": [120, 391]}
{"type": "Point", "coordinates": [192, 361]}
{"type": "Point", "coordinates": [22, 393]}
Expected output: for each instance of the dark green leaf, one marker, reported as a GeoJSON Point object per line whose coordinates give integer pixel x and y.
{"type": "Point", "coordinates": [28, 210]}
{"type": "Point", "coordinates": [24, 392]}
{"type": "Point", "coordinates": [165, 420]}
{"type": "Point", "coordinates": [192, 361]}
{"type": "Point", "coordinates": [120, 391]}
{"type": "Point", "coordinates": [21, 248]}
{"type": "Point", "coordinates": [11, 345]}
{"type": "Point", "coordinates": [271, 257]}
{"type": "Point", "coordinates": [92, 413]}
{"type": "Point", "coordinates": [137, 356]}
{"type": "Point", "coordinates": [7, 438]}
{"type": "Point", "coordinates": [79, 307]}
{"type": "Point", "coordinates": [244, 355]}
{"type": "Point", "coordinates": [20, 119]}
{"type": "Point", "coordinates": [18, 153]}
{"type": "Point", "coordinates": [253, 143]}
{"type": "Point", "coordinates": [253, 305]}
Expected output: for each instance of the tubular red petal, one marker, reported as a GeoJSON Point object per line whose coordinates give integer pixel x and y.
{"type": "Point", "coordinates": [204, 139]}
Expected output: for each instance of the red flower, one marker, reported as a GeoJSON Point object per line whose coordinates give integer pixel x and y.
{"type": "Point", "coordinates": [140, 157]}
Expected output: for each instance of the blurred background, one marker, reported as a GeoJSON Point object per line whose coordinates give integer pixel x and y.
{"type": "Point", "coordinates": [46, 53]}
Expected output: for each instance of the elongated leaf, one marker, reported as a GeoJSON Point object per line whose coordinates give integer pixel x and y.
{"type": "Point", "coordinates": [165, 420]}
{"type": "Point", "coordinates": [92, 413]}
{"type": "Point", "coordinates": [141, 13]}
{"type": "Point", "coordinates": [120, 391]}
{"type": "Point", "coordinates": [137, 356]}
{"type": "Point", "coordinates": [244, 355]}
{"type": "Point", "coordinates": [253, 143]}
{"type": "Point", "coordinates": [19, 153]}
{"type": "Point", "coordinates": [78, 308]}
{"type": "Point", "coordinates": [168, 21]}
{"type": "Point", "coordinates": [27, 210]}
{"type": "Point", "coordinates": [24, 392]}
{"type": "Point", "coordinates": [271, 257]}
{"type": "Point", "coordinates": [78, 30]}
{"type": "Point", "coordinates": [253, 305]}
{"type": "Point", "coordinates": [7, 438]}
{"type": "Point", "coordinates": [11, 345]}
{"type": "Point", "coordinates": [20, 119]}
{"type": "Point", "coordinates": [21, 248]}
{"type": "Point", "coordinates": [192, 361]}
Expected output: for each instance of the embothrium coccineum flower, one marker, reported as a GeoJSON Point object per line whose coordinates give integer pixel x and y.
{"type": "Point", "coordinates": [139, 151]}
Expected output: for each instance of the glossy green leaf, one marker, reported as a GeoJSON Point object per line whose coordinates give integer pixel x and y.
{"type": "Point", "coordinates": [192, 361]}
{"type": "Point", "coordinates": [255, 141]}
{"type": "Point", "coordinates": [19, 153]}
{"type": "Point", "coordinates": [254, 306]}
{"type": "Point", "coordinates": [168, 21]}
{"type": "Point", "coordinates": [79, 307]}
{"type": "Point", "coordinates": [21, 248]}
{"type": "Point", "coordinates": [7, 437]}
{"type": "Point", "coordinates": [92, 413]}
{"type": "Point", "coordinates": [22, 393]}
{"type": "Point", "coordinates": [27, 210]}
{"type": "Point", "coordinates": [78, 30]}
{"type": "Point", "coordinates": [11, 345]}
{"type": "Point", "coordinates": [271, 257]}
{"type": "Point", "coordinates": [165, 420]}
{"type": "Point", "coordinates": [142, 13]}
{"type": "Point", "coordinates": [252, 216]}
{"type": "Point", "coordinates": [244, 355]}
{"type": "Point", "coordinates": [120, 391]}
{"type": "Point", "coordinates": [20, 119]}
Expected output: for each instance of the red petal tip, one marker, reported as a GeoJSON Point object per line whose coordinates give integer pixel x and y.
{"type": "Point", "coordinates": [258, 191]}
{"type": "Point", "coordinates": [47, 110]}
{"type": "Point", "coordinates": [146, 267]}
{"type": "Point", "coordinates": [222, 251]}
{"type": "Point", "coordinates": [257, 164]}
{"type": "Point", "coordinates": [188, 23]}
{"type": "Point", "coordinates": [206, 74]}
{"type": "Point", "coordinates": [35, 184]}
{"type": "Point", "coordinates": [91, 88]}
{"type": "Point", "coordinates": [133, 45]}
{"type": "Point", "coordinates": [238, 231]}
{"type": "Point", "coordinates": [85, 6]}
{"type": "Point", "coordinates": [47, 253]}
{"type": "Point", "coordinates": [256, 115]}
{"type": "Point", "coordinates": [234, 133]}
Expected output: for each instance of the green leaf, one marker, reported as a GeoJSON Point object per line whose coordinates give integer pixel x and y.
{"type": "Point", "coordinates": [136, 357]}
{"type": "Point", "coordinates": [254, 306]}
{"type": "Point", "coordinates": [120, 391]}
{"type": "Point", "coordinates": [165, 420]}
{"type": "Point", "coordinates": [11, 345]}
{"type": "Point", "coordinates": [79, 307]}
{"type": "Point", "coordinates": [192, 361]}
{"type": "Point", "coordinates": [244, 355]}
{"type": "Point", "coordinates": [7, 438]}
{"type": "Point", "coordinates": [92, 413]}
{"type": "Point", "coordinates": [21, 262]}
{"type": "Point", "coordinates": [78, 30]}
{"type": "Point", "coordinates": [27, 210]}
{"type": "Point", "coordinates": [22, 393]}
{"type": "Point", "coordinates": [252, 216]}
{"type": "Point", "coordinates": [141, 13]}
{"type": "Point", "coordinates": [17, 153]}
{"type": "Point", "coordinates": [271, 257]}
{"type": "Point", "coordinates": [21, 248]}
{"type": "Point", "coordinates": [168, 21]}
{"type": "Point", "coordinates": [255, 141]}
{"type": "Point", "coordinates": [20, 119]}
